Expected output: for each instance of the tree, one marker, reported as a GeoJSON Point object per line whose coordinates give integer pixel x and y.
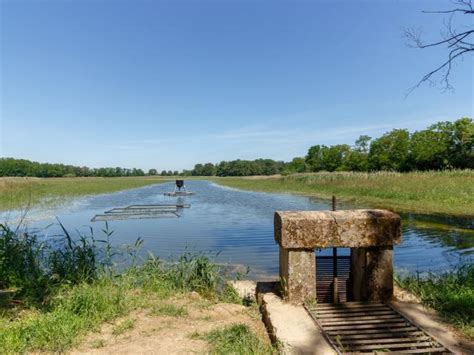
{"type": "Point", "coordinates": [314, 157]}
{"type": "Point", "coordinates": [208, 170]}
{"type": "Point", "coordinates": [297, 165]}
{"type": "Point", "coordinates": [327, 158]}
{"type": "Point", "coordinates": [458, 40]}
{"type": "Point", "coordinates": [152, 172]}
{"type": "Point", "coordinates": [362, 144]}
{"type": "Point", "coordinates": [461, 141]}
{"type": "Point", "coordinates": [358, 157]}
{"type": "Point", "coordinates": [197, 171]}
{"type": "Point", "coordinates": [390, 151]}
{"type": "Point", "coordinates": [429, 149]}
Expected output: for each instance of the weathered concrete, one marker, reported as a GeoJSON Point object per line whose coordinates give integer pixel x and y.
{"type": "Point", "coordinates": [297, 275]}
{"type": "Point", "coordinates": [431, 323]}
{"type": "Point", "coordinates": [350, 229]}
{"type": "Point", "coordinates": [372, 274]}
{"type": "Point", "coordinates": [370, 233]}
{"type": "Point", "coordinates": [290, 326]}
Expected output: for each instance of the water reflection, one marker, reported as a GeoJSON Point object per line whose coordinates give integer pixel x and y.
{"type": "Point", "coordinates": [236, 227]}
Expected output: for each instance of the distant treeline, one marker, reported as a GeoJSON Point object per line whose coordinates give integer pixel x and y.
{"type": "Point", "coordinates": [23, 167]}
{"type": "Point", "coordinates": [444, 145]}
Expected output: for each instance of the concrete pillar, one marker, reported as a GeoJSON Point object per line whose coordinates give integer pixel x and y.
{"type": "Point", "coordinates": [372, 274]}
{"type": "Point", "coordinates": [298, 275]}
{"type": "Point", "coordinates": [357, 275]}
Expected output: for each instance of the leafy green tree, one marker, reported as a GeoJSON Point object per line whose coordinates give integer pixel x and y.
{"type": "Point", "coordinates": [208, 169]}
{"type": "Point", "coordinates": [152, 172]}
{"type": "Point", "coordinates": [297, 165]}
{"type": "Point", "coordinates": [334, 157]}
{"type": "Point", "coordinates": [362, 144]}
{"type": "Point", "coordinates": [327, 158]}
{"type": "Point", "coordinates": [357, 159]}
{"type": "Point", "coordinates": [197, 171]}
{"type": "Point", "coordinates": [314, 157]}
{"type": "Point", "coordinates": [390, 151]}
{"type": "Point", "coordinates": [461, 141]}
{"type": "Point", "coordinates": [429, 149]}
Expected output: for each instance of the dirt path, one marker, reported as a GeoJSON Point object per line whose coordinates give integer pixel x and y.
{"type": "Point", "coordinates": [173, 329]}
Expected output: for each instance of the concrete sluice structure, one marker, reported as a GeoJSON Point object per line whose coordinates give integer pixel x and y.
{"type": "Point", "coordinates": [356, 316]}
{"type": "Point", "coordinates": [370, 234]}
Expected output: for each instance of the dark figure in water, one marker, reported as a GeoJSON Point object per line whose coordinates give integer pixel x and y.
{"type": "Point", "coordinates": [179, 184]}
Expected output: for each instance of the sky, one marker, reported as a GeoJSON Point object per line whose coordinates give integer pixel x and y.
{"type": "Point", "coordinates": [168, 84]}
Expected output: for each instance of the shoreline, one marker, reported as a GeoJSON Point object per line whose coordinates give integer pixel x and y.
{"type": "Point", "coordinates": [429, 193]}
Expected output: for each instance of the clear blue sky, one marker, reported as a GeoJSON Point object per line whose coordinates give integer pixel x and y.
{"type": "Point", "coordinates": [167, 84]}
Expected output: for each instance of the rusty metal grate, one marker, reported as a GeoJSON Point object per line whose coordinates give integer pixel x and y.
{"type": "Point", "coordinates": [360, 327]}
{"type": "Point", "coordinates": [324, 278]}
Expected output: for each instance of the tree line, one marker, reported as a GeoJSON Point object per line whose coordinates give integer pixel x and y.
{"type": "Point", "coordinates": [23, 167]}
{"type": "Point", "coordinates": [443, 145]}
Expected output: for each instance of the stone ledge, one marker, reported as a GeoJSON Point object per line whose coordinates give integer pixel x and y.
{"type": "Point", "coordinates": [290, 326]}
{"type": "Point", "coordinates": [345, 228]}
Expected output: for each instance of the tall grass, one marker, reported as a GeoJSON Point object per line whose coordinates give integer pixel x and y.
{"type": "Point", "coordinates": [451, 294]}
{"type": "Point", "coordinates": [35, 268]}
{"type": "Point", "coordinates": [447, 192]}
{"type": "Point", "coordinates": [61, 291]}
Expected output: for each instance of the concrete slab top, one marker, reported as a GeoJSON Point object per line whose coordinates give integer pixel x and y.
{"type": "Point", "coordinates": [344, 228]}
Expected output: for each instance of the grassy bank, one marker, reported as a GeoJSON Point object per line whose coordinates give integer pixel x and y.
{"type": "Point", "coordinates": [451, 294]}
{"type": "Point", "coordinates": [23, 192]}
{"type": "Point", "coordinates": [53, 297]}
{"type": "Point", "coordinates": [446, 192]}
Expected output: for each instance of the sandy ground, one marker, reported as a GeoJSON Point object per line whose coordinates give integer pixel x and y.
{"type": "Point", "coordinates": [162, 334]}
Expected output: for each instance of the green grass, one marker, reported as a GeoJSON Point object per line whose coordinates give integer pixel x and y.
{"type": "Point", "coordinates": [236, 339]}
{"type": "Point", "coordinates": [451, 294]}
{"type": "Point", "coordinates": [445, 192]}
{"type": "Point", "coordinates": [24, 192]}
{"type": "Point", "coordinates": [55, 301]}
{"type": "Point", "coordinates": [72, 313]}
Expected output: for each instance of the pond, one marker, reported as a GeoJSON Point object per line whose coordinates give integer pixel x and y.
{"type": "Point", "coordinates": [235, 227]}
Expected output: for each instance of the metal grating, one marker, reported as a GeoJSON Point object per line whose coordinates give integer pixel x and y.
{"type": "Point", "coordinates": [324, 278]}
{"type": "Point", "coordinates": [141, 212]}
{"type": "Point", "coordinates": [361, 327]}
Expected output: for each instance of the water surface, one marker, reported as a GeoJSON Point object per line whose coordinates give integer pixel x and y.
{"type": "Point", "coordinates": [235, 227]}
